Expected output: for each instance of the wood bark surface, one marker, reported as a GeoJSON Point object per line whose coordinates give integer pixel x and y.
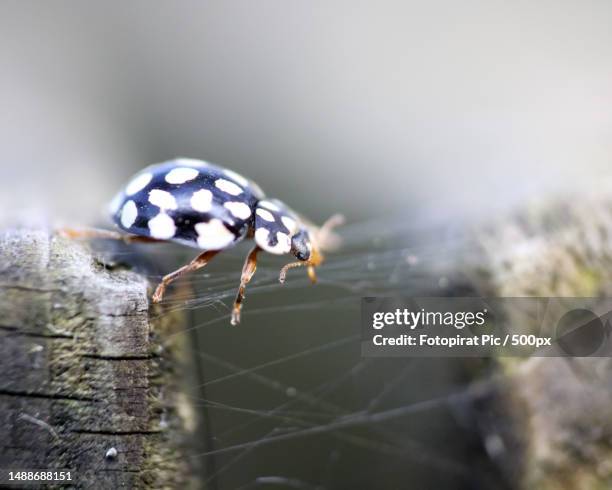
{"type": "Point", "coordinates": [84, 382]}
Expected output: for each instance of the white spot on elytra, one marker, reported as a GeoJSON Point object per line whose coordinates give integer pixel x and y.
{"type": "Point", "coordinates": [138, 183]}
{"type": "Point", "coordinates": [289, 223]}
{"type": "Point", "coordinates": [268, 205]}
{"type": "Point", "coordinates": [213, 235]}
{"type": "Point", "coordinates": [261, 237]}
{"type": "Point", "coordinates": [129, 213]}
{"type": "Point", "coordinates": [229, 187]}
{"type": "Point", "coordinates": [283, 241]}
{"type": "Point", "coordinates": [162, 226]}
{"type": "Point", "coordinates": [237, 177]}
{"type": "Point", "coordinates": [265, 214]}
{"type": "Point", "coordinates": [238, 209]}
{"type": "Point", "coordinates": [181, 175]}
{"type": "Point", "coordinates": [202, 200]}
{"type": "Point", "coordinates": [163, 199]}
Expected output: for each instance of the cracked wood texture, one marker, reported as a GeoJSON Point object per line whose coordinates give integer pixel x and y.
{"type": "Point", "coordinates": [82, 372]}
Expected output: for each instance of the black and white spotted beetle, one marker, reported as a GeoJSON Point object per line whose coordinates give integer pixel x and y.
{"type": "Point", "coordinates": [212, 208]}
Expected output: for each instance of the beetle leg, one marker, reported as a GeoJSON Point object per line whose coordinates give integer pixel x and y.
{"type": "Point", "coordinates": [250, 265]}
{"type": "Point", "coordinates": [312, 275]}
{"type": "Point", "coordinates": [197, 263]}
{"type": "Point", "coordinates": [311, 270]}
{"type": "Point", "coordinates": [325, 236]}
{"type": "Point", "coordinates": [87, 233]}
{"type": "Point", "coordinates": [332, 222]}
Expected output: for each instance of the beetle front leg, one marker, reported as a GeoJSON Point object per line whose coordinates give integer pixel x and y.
{"type": "Point", "coordinates": [249, 268]}
{"type": "Point", "coordinates": [197, 263]}
{"type": "Point", "coordinates": [312, 275]}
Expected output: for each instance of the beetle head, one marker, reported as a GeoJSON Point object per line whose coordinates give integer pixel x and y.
{"type": "Point", "coordinates": [301, 245]}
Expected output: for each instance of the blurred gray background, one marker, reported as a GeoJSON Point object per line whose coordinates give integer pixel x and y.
{"type": "Point", "coordinates": [369, 108]}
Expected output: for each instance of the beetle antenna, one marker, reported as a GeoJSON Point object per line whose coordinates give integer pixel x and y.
{"type": "Point", "coordinates": [316, 258]}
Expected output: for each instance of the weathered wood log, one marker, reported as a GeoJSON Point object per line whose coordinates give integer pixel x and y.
{"type": "Point", "coordinates": [548, 421]}
{"type": "Point", "coordinates": [84, 384]}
